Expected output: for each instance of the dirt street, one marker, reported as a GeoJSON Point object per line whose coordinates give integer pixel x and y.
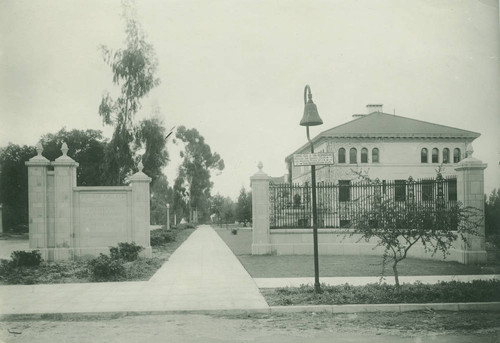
{"type": "Point", "coordinates": [295, 327]}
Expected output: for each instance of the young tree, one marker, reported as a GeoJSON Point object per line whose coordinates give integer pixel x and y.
{"type": "Point", "coordinates": [397, 228]}
{"type": "Point", "coordinates": [492, 217]}
{"type": "Point", "coordinates": [244, 207]}
{"type": "Point", "coordinates": [193, 180]}
{"type": "Point", "coordinates": [134, 68]}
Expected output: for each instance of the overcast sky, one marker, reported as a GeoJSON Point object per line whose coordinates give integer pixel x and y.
{"type": "Point", "coordinates": [236, 70]}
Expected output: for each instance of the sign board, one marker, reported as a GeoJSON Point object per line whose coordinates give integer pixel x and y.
{"type": "Point", "coordinates": [320, 158]}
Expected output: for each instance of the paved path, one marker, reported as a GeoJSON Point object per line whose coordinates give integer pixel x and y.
{"type": "Point", "coordinates": [202, 274]}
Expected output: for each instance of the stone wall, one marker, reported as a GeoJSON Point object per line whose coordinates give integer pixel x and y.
{"type": "Point", "coordinates": [66, 221]}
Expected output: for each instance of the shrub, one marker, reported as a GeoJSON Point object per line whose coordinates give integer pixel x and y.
{"type": "Point", "coordinates": [161, 236]}
{"type": "Point", "coordinates": [125, 251]}
{"type": "Point", "coordinates": [105, 268]}
{"type": "Point", "coordinates": [234, 231]}
{"type": "Point", "coordinates": [26, 259]}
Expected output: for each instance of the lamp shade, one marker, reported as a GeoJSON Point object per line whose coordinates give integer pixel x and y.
{"type": "Point", "coordinates": [311, 115]}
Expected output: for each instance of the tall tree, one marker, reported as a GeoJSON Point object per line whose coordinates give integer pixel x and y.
{"type": "Point", "coordinates": [85, 147]}
{"type": "Point", "coordinates": [195, 170]}
{"type": "Point", "coordinates": [134, 68]}
{"type": "Point", "coordinates": [14, 184]}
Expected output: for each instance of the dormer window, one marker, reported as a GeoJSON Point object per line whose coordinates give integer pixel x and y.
{"type": "Point", "coordinates": [353, 156]}
{"type": "Point", "coordinates": [435, 155]}
{"type": "Point", "coordinates": [423, 156]}
{"type": "Point", "coordinates": [341, 155]}
{"type": "Point", "coordinates": [364, 155]}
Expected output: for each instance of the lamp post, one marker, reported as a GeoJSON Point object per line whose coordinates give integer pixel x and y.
{"type": "Point", "coordinates": [311, 118]}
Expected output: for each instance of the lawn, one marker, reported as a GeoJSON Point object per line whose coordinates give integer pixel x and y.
{"type": "Point", "coordinates": [267, 266]}
{"type": "Point", "coordinates": [77, 271]}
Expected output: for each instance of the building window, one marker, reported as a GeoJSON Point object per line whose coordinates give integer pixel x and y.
{"type": "Point", "coordinates": [456, 155]}
{"type": "Point", "coordinates": [452, 189]}
{"type": "Point", "coordinates": [423, 155]}
{"type": "Point", "coordinates": [375, 155]}
{"type": "Point", "coordinates": [341, 155]}
{"type": "Point", "coordinates": [446, 155]}
{"type": "Point", "coordinates": [435, 155]}
{"type": "Point", "coordinates": [344, 190]}
{"type": "Point", "coordinates": [400, 190]}
{"type": "Point", "coordinates": [353, 156]}
{"type": "Point", "coordinates": [427, 190]}
{"type": "Point", "coordinates": [364, 155]}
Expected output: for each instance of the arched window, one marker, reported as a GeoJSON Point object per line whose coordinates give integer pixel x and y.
{"type": "Point", "coordinates": [353, 156]}
{"type": "Point", "coordinates": [446, 155]}
{"type": "Point", "coordinates": [341, 155]}
{"type": "Point", "coordinates": [456, 155]}
{"type": "Point", "coordinates": [423, 155]}
{"type": "Point", "coordinates": [435, 155]}
{"type": "Point", "coordinates": [375, 155]}
{"type": "Point", "coordinates": [364, 155]}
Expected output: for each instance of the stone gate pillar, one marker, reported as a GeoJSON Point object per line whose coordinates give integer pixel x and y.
{"type": "Point", "coordinates": [37, 199]}
{"type": "Point", "coordinates": [64, 181]}
{"type": "Point", "coordinates": [470, 192]}
{"type": "Point", "coordinates": [141, 210]}
{"type": "Point", "coordinates": [261, 243]}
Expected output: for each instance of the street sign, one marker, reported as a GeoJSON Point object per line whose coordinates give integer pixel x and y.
{"type": "Point", "coordinates": [320, 158]}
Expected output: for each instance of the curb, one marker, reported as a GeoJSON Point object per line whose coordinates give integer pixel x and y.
{"type": "Point", "coordinates": [333, 309]}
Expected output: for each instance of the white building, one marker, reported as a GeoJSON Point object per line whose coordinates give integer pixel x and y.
{"type": "Point", "coordinates": [384, 146]}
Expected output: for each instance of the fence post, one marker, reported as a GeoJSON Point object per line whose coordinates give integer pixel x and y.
{"type": "Point", "coordinates": [470, 192]}
{"type": "Point", "coordinates": [141, 210]}
{"type": "Point", "coordinates": [260, 212]}
{"type": "Point", "coordinates": [37, 201]}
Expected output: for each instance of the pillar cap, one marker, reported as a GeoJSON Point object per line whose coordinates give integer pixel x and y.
{"type": "Point", "coordinates": [260, 175]}
{"type": "Point", "coordinates": [64, 159]}
{"type": "Point", "coordinates": [38, 160]}
{"type": "Point", "coordinates": [139, 176]}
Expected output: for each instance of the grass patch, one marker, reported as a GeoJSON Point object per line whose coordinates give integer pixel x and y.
{"type": "Point", "coordinates": [269, 266]}
{"type": "Point", "coordinates": [79, 271]}
{"type": "Point", "coordinates": [443, 292]}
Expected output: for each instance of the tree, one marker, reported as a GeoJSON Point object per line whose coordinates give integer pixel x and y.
{"type": "Point", "coordinates": [193, 181]}
{"type": "Point", "coordinates": [161, 195]}
{"type": "Point", "coordinates": [14, 184]}
{"type": "Point", "coordinates": [224, 208]}
{"type": "Point", "coordinates": [492, 217]}
{"type": "Point", "coordinates": [244, 207]}
{"type": "Point", "coordinates": [398, 227]}
{"type": "Point", "coordinates": [134, 68]}
{"type": "Point", "coordinates": [85, 147]}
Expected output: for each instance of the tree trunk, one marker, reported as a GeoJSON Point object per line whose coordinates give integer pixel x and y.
{"type": "Point", "coordinates": [396, 275]}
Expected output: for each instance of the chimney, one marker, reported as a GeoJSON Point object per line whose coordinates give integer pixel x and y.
{"type": "Point", "coordinates": [373, 108]}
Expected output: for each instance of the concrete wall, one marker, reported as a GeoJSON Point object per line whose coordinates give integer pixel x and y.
{"type": "Point", "coordinates": [67, 221]}
{"type": "Point", "coordinates": [470, 192]}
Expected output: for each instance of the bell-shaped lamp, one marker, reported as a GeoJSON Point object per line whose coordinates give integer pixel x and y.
{"type": "Point", "coordinates": [311, 115]}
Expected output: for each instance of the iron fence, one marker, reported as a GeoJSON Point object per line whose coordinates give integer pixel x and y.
{"type": "Point", "coordinates": [338, 203]}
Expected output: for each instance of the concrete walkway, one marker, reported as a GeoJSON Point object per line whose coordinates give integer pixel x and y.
{"type": "Point", "coordinates": [202, 274]}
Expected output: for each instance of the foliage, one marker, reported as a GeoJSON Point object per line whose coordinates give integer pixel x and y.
{"type": "Point", "coordinates": [85, 147]}
{"type": "Point", "coordinates": [443, 292]}
{"type": "Point", "coordinates": [234, 231]}
{"type": "Point", "coordinates": [244, 207]}
{"type": "Point", "coordinates": [125, 251]}
{"type": "Point", "coordinates": [134, 68]}
{"type": "Point", "coordinates": [492, 217]}
{"type": "Point", "coordinates": [161, 236]}
{"type": "Point", "coordinates": [223, 208]}
{"type": "Point", "coordinates": [192, 186]}
{"type": "Point", "coordinates": [105, 268]}
{"type": "Point", "coordinates": [161, 195]}
{"type": "Point", "coordinates": [398, 228]}
{"type": "Point", "coordinates": [22, 258]}
{"type": "Point", "coordinates": [14, 184]}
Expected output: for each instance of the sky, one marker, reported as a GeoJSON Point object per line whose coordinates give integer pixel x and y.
{"type": "Point", "coordinates": [236, 69]}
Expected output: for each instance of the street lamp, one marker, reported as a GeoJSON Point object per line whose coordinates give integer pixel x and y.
{"type": "Point", "coordinates": [311, 118]}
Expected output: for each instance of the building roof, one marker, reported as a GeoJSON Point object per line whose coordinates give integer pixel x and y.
{"type": "Point", "coordinates": [384, 125]}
